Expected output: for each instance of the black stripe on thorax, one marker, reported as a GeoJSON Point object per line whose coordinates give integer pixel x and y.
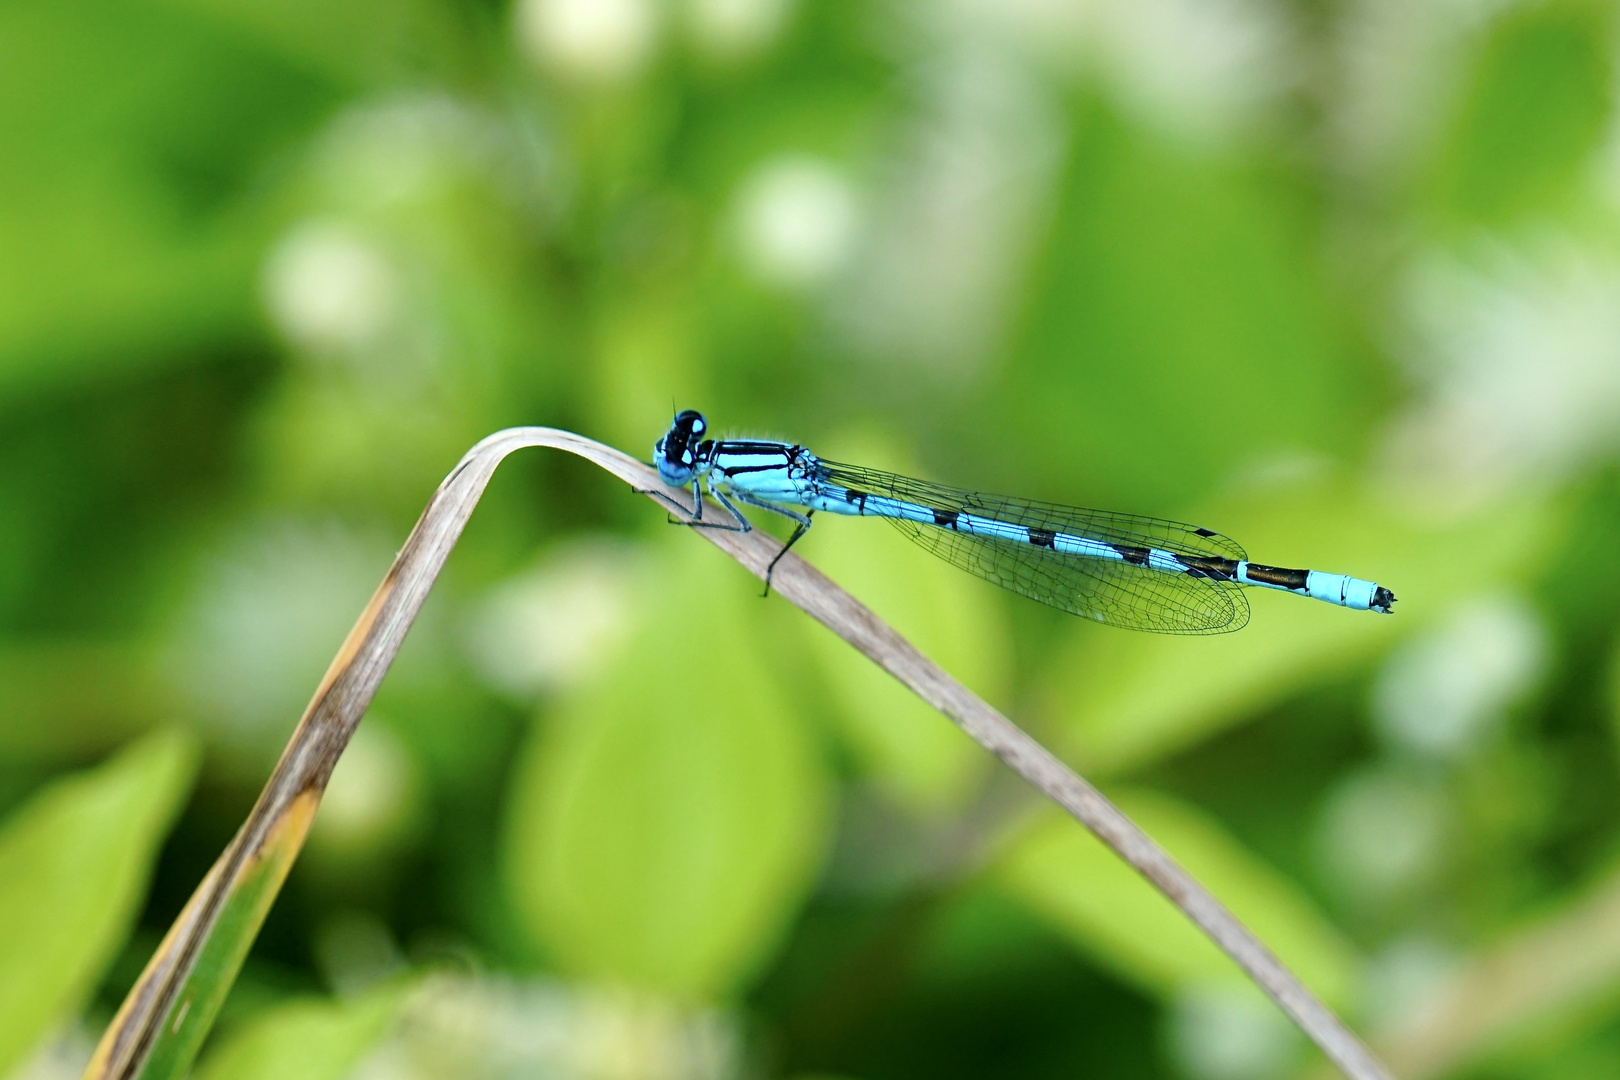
{"type": "Point", "coordinates": [781, 456]}
{"type": "Point", "coordinates": [733, 470]}
{"type": "Point", "coordinates": [734, 446]}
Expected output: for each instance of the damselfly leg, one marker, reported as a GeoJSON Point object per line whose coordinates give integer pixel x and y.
{"type": "Point", "coordinates": [693, 518]}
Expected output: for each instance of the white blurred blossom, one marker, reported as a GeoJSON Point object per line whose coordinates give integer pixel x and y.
{"type": "Point", "coordinates": [1404, 975]}
{"type": "Point", "coordinates": [955, 215]}
{"type": "Point", "coordinates": [1228, 1031]}
{"type": "Point", "coordinates": [266, 615]}
{"type": "Point", "coordinates": [330, 288]}
{"type": "Point", "coordinates": [461, 1028]}
{"type": "Point", "coordinates": [594, 41]}
{"type": "Point", "coordinates": [413, 199]}
{"type": "Point", "coordinates": [963, 200]}
{"type": "Point", "coordinates": [556, 625]}
{"type": "Point", "coordinates": [1381, 834]}
{"type": "Point", "coordinates": [63, 1056]}
{"type": "Point", "coordinates": [1516, 353]}
{"type": "Point", "coordinates": [1198, 69]}
{"type": "Point", "coordinates": [796, 221]}
{"type": "Point", "coordinates": [407, 149]}
{"type": "Point", "coordinates": [1396, 67]}
{"type": "Point", "coordinates": [737, 29]}
{"type": "Point", "coordinates": [1443, 689]}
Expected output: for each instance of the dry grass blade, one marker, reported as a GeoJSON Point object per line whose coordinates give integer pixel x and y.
{"type": "Point", "coordinates": [163, 1021]}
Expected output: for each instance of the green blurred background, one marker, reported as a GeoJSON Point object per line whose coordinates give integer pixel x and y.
{"type": "Point", "coordinates": [1340, 279]}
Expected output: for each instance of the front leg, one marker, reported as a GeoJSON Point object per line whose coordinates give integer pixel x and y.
{"type": "Point", "coordinates": [739, 523]}
{"type": "Point", "coordinates": [693, 518]}
{"type": "Point", "coordinates": [687, 515]}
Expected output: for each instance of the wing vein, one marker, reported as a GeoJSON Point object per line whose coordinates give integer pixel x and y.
{"type": "Point", "coordinates": [1118, 593]}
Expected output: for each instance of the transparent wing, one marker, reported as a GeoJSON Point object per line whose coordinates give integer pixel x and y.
{"type": "Point", "coordinates": [1117, 593]}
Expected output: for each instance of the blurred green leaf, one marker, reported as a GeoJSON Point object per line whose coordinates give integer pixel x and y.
{"type": "Point", "coordinates": [1613, 695]}
{"type": "Point", "coordinates": [1124, 699]}
{"type": "Point", "coordinates": [1535, 107]}
{"type": "Point", "coordinates": [135, 146]}
{"type": "Point", "coordinates": [669, 822]}
{"type": "Point", "coordinates": [353, 42]}
{"type": "Point", "coordinates": [73, 869]}
{"type": "Point", "coordinates": [219, 956]}
{"type": "Point", "coordinates": [1065, 874]}
{"type": "Point", "coordinates": [67, 699]}
{"type": "Point", "coordinates": [1596, 1057]}
{"type": "Point", "coordinates": [304, 1040]}
{"type": "Point", "coordinates": [1178, 326]}
{"type": "Point", "coordinates": [915, 752]}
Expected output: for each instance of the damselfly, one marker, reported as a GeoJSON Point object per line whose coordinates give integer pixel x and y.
{"type": "Point", "coordinates": [1136, 572]}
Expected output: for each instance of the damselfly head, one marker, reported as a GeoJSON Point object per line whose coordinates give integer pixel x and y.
{"type": "Point", "coordinates": [676, 454]}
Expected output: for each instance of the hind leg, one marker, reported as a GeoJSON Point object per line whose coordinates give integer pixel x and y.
{"type": "Point", "coordinates": [801, 526]}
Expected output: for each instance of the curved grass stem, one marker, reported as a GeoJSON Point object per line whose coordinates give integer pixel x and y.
{"type": "Point", "coordinates": [162, 1023]}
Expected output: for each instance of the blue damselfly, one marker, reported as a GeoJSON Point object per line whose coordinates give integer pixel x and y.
{"type": "Point", "coordinates": [1140, 573]}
